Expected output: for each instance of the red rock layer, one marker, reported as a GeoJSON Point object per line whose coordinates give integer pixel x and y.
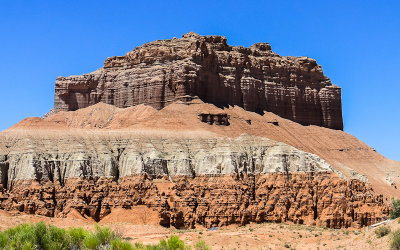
{"type": "Point", "coordinates": [321, 199]}
{"type": "Point", "coordinates": [254, 78]}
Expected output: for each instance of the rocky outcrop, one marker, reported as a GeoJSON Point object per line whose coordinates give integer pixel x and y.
{"type": "Point", "coordinates": [117, 155]}
{"type": "Point", "coordinates": [209, 200]}
{"type": "Point", "coordinates": [218, 119]}
{"type": "Point", "coordinates": [254, 78]}
{"type": "Point", "coordinates": [191, 180]}
{"type": "Point", "coordinates": [344, 152]}
{"type": "Point", "coordinates": [186, 161]}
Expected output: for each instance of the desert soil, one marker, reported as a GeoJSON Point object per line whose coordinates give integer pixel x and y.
{"type": "Point", "coordinates": [252, 236]}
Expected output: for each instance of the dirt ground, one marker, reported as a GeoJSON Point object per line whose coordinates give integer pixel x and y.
{"type": "Point", "coordinates": [253, 236]}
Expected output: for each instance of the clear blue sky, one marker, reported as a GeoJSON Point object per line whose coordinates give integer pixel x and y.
{"type": "Point", "coordinates": [356, 42]}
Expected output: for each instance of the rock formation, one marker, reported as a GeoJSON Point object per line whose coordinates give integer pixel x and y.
{"type": "Point", "coordinates": [197, 132]}
{"type": "Point", "coordinates": [189, 181]}
{"type": "Point", "coordinates": [344, 152]}
{"type": "Point", "coordinates": [254, 78]}
{"type": "Point", "coordinates": [182, 202]}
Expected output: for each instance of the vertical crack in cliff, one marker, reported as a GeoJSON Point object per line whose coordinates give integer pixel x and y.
{"type": "Point", "coordinates": [253, 181]}
{"type": "Point", "coordinates": [285, 165]}
{"type": "Point", "coordinates": [314, 195]}
{"type": "Point", "coordinates": [4, 168]}
{"type": "Point", "coordinates": [86, 168]}
{"type": "Point", "coordinates": [61, 171]}
{"type": "Point", "coordinates": [115, 158]}
{"type": "Point", "coordinates": [49, 168]}
{"type": "Point", "coordinates": [54, 198]}
{"type": "Point", "coordinates": [37, 166]}
{"type": "Point", "coordinates": [162, 103]}
{"type": "Point", "coordinates": [98, 210]}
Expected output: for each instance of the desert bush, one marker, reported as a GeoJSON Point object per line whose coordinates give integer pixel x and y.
{"type": "Point", "coordinates": [395, 240]}
{"type": "Point", "coordinates": [55, 238]}
{"type": "Point", "coordinates": [3, 240]}
{"type": "Point", "coordinates": [382, 231]}
{"type": "Point", "coordinates": [91, 242]}
{"type": "Point", "coordinates": [395, 211]}
{"type": "Point", "coordinates": [104, 234]}
{"type": "Point", "coordinates": [20, 237]}
{"type": "Point", "coordinates": [201, 245]}
{"type": "Point", "coordinates": [77, 235]}
{"type": "Point", "coordinates": [173, 243]}
{"type": "Point", "coordinates": [40, 236]}
{"type": "Point", "coordinates": [139, 245]}
{"type": "Point", "coordinates": [117, 244]}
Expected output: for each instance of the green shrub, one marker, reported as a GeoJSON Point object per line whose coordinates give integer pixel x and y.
{"type": "Point", "coordinates": [91, 241]}
{"type": "Point", "coordinates": [28, 246]}
{"type": "Point", "coordinates": [382, 231]}
{"type": "Point", "coordinates": [395, 240]}
{"type": "Point", "coordinates": [21, 237]}
{"type": "Point", "coordinates": [77, 236]}
{"type": "Point", "coordinates": [3, 240]}
{"type": "Point", "coordinates": [175, 243]}
{"type": "Point", "coordinates": [104, 234]}
{"type": "Point", "coordinates": [201, 245]}
{"type": "Point", "coordinates": [395, 211]}
{"type": "Point", "coordinates": [40, 236]}
{"type": "Point", "coordinates": [139, 245]}
{"type": "Point", "coordinates": [55, 238]}
{"type": "Point", "coordinates": [117, 244]}
{"type": "Point", "coordinates": [40, 231]}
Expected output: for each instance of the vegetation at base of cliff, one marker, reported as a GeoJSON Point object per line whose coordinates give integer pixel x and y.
{"type": "Point", "coordinates": [395, 211]}
{"type": "Point", "coordinates": [382, 231]}
{"type": "Point", "coordinates": [395, 240]}
{"type": "Point", "coordinates": [41, 237]}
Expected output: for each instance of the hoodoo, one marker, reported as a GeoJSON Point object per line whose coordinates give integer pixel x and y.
{"type": "Point", "coordinates": [255, 78]}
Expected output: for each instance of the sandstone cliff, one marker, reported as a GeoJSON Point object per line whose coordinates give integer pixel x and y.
{"type": "Point", "coordinates": [189, 170]}
{"type": "Point", "coordinates": [254, 78]}
{"type": "Point", "coordinates": [189, 179]}
{"type": "Point", "coordinates": [193, 132]}
{"type": "Point", "coordinates": [344, 152]}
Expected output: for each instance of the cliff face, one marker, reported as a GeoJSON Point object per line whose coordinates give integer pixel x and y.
{"type": "Point", "coordinates": [347, 154]}
{"type": "Point", "coordinates": [320, 199]}
{"type": "Point", "coordinates": [254, 78]}
{"type": "Point", "coordinates": [133, 135]}
{"type": "Point", "coordinates": [120, 154]}
{"type": "Point", "coordinates": [187, 181]}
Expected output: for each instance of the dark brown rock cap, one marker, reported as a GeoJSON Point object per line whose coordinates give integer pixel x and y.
{"type": "Point", "coordinates": [255, 78]}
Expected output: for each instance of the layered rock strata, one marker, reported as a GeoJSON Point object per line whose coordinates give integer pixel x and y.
{"type": "Point", "coordinates": [320, 199]}
{"type": "Point", "coordinates": [189, 180]}
{"type": "Point", "coordinates": [347, 154]}
{"type": "Point", "coordinates": [254, 78]}
{"type": "Point", "coordinates": [120, 154]}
